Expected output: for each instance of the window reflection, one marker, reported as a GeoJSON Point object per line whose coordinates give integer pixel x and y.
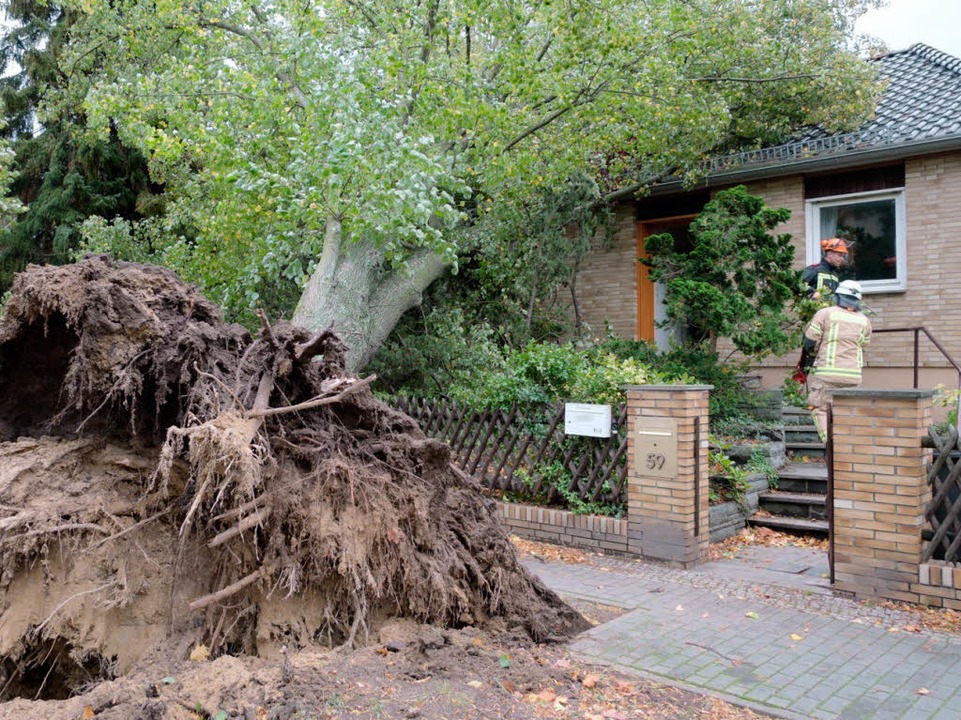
{"type": "Point", "coordinates": [871, 230]}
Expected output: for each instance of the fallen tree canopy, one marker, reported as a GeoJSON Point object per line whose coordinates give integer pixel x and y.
{"type": "Point", "coordinates": [168, 481]}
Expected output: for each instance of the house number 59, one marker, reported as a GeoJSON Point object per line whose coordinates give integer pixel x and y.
{"type": "Point", "coordinates": [655, 461]}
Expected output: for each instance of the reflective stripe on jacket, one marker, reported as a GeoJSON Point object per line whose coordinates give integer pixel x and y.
{"type": "Point", "coordinates": [821, 278]}
{"type": "Point", "coordinates": [840, 335]}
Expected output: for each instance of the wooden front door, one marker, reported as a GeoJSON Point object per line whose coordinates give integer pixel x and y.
{"type": "Point", "coordinates": [647, 293]}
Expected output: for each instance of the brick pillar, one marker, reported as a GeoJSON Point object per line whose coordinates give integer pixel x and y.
{"type": "Point", "coordinates": [667, 495]}
{"type": "Point", "coordinates": [880, 490]}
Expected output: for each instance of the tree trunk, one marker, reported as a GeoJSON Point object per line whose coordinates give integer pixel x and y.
{"type": "Point", "coordinates": [353, 292]}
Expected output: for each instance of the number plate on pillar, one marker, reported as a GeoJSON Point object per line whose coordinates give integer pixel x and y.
{"type": "Point", "coordinates": [655, 447]}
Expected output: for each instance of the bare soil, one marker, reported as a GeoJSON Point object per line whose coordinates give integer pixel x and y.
{"type": "Point", "coordinates": [168, 481]}
{"type": "Point", "coordinates": [199, 523]}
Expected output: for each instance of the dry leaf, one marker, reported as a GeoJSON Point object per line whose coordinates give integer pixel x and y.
{"type": "Point", "coordinates": [508, 686]}
{"type": "Point", "coordinates": [547, 696]}
{"type": "Point", "coordinates": [679, 607]}
{"type": "Point", "coordinates": [613, 715]}
{"type": "Point", "coordinates": [475, 683]}
{"type": "Point", "coordinates": [922, 691]}
{"type": "Point", "coordinates": [751, 614]}
{"type": "Point", "coordinates": [589, 681]}
{"type": "Point", "coordinates": [200, 653]}
{"type": "Point", "coordinates": [87, 713]}
{"type": "Point", "coordinates": [395, 535]}
{"type": "Point", "coordinates": [796, 638]}
{"type": "Point", "coordinates": [381, 651]}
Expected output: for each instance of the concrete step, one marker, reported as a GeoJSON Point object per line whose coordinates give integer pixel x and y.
{"type": "Point", "coordinates": [807, 506]}
{"type": "Point", "coordinates": [804, 449]}
{"type": "Point", "coordinates": [803, 477]}
{"type": "Point", "coordinates": [801, 433]}
{"type": "Point", "coordinates": [791, 525]}
{"type": "Point", "coordinates": [795, 416]}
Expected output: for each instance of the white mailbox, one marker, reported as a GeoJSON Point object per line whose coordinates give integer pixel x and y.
{"type": "Point", "coordinates": [589, 420]}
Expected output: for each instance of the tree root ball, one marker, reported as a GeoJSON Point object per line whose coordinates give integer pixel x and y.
{"type": "Point", "coordinates": [168, 481]}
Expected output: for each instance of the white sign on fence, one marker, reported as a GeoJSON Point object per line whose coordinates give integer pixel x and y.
{"type": "Point", "coordinates": [589, 420]}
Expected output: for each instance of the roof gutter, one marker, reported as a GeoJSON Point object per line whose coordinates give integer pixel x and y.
{"type": "Point", "coordinates": [846, 159]}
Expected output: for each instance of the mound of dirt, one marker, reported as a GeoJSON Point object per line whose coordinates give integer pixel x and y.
{"type": "Point", "coordinates": [169, 482]}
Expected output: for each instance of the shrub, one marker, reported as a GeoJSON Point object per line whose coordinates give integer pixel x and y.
{"type": "Point", "coordinates": [692, 364]}
{"type": "Point", "coordinates": [547, 373]}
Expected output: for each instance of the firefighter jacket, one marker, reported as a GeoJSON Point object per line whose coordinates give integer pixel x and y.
{"type": "Point", "coordinates": [838, 336]}
{"type": "Point", "coordinates": [821, 278]}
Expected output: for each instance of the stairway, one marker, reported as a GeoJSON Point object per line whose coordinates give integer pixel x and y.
{"type": "Point", "coordinates": [800, 434]}
{"type": "Point", "coordinates": [799, 504]}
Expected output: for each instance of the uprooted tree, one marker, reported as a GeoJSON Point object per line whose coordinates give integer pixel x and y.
{"type": "Point", "coordinates": [168, 479]}
{"type": "Point", "coordinates": [335, 150]}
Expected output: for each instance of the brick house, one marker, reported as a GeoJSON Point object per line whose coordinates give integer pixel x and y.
{"type": "Point", "coordinates": [894, 185]}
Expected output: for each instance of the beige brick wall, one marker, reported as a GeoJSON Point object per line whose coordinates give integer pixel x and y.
{"type": "Point", "coordinates": [933, 227]}
{"type": "Point", "coordinates": [668, 513]}
{"type": "Point", "coordinates": [562, 527]}
{"type": "Point", "coordinates": [606, 284]}
{"type": "Point", "coordinates": [880, 493]}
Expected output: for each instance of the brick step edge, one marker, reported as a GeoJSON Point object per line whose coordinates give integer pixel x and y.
{"type": "Point", "coordinates": [789, 524]}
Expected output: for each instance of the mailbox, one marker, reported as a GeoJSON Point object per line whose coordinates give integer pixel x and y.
{"type": "Point", "coordinates": [589, 420]}
{"type": "Point", "coordinates": [655, 447]}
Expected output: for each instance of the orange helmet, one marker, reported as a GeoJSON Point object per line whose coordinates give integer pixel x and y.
{"type": "Point", "coordinates": [834, 245]}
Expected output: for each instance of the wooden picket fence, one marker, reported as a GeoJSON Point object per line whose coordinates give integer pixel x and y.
{"type": "Point", "coordinates": [526, 452]}
{"type": "Point", "coordinates": [944, 510]}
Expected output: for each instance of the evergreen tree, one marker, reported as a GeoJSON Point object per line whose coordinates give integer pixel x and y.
{"type": "Point", "coordinates": [60, 174]}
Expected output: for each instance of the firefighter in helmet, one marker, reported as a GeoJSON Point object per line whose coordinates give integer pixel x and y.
{"type": "Point", "coordinates": [823, 277]}
{"type": "Point", "coordinates": [833, 354]}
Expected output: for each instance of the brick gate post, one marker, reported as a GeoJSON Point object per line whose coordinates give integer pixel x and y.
{"type": "Point", "coordinates": [668, 516]}
{"type": "Point", "coordinates": [880, 490]}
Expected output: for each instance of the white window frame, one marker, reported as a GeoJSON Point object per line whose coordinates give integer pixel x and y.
{"type": "Point", "coordinates": [813, 229]}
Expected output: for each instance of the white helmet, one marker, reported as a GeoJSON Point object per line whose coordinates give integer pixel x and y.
{"type": "Point", "coordinates": [849, 294]}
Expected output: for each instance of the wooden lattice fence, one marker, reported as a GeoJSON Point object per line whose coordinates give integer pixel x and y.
{"type": "Point", "coordinates": [525, 452]}
{"type": "Point", "coordinates": [944, 510]}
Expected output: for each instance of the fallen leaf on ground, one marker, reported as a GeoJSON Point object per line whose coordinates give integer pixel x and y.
{"type": "Point", "coordinates": [751, 614]}
{"type": "Point", "coordinates": [796, 638]}
{"type": "Point", "coordinates": [922, 691]}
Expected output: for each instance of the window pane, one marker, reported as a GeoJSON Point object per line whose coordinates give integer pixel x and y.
{"type": "Point", "coordinates": [871, 229]}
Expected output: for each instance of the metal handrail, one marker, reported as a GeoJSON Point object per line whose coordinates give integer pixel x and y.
{"type": "Point", "coordinates": [947, 356]}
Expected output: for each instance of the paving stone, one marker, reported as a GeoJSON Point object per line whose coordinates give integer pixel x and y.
{"type": "Point", "coordinates": [731, 636]}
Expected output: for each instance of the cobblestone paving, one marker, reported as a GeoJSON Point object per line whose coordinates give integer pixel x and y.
{"type": "Point", "coordinates": [782, 650]}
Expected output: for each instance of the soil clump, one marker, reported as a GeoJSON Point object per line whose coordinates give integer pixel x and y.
{"type": "Point", "coordinates": [192, 517]}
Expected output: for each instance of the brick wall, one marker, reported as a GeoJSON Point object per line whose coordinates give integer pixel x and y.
{"type": "Point", "coordinates": [606, 284]}
{"type": "Point", "coordinates": [880, 493]}
{"type": "Point", "coordinates": [667, 505]}
{"type": "Point", "coordinates": [933, 224]}
{"type": "Point", "coordinates": [561, 527]}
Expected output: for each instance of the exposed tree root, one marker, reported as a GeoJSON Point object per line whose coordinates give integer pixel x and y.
{"type": "Point", "coordinates": [275, 500]}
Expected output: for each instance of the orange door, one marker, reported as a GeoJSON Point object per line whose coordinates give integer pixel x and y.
{"type": "Point", "coordinates": [647, 313]}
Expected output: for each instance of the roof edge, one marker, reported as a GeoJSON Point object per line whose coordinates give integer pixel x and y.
{"type": "Point", "coordinates": [850, 159]}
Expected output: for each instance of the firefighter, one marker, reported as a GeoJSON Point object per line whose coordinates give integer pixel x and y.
{"type": "Point", "coordinates": [824, 277]}
{"type": "Point", "coordinates": [833, 354]}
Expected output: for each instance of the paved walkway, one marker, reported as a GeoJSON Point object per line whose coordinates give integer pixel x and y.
{"type": "Point", "coordinates": [764, 630]}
